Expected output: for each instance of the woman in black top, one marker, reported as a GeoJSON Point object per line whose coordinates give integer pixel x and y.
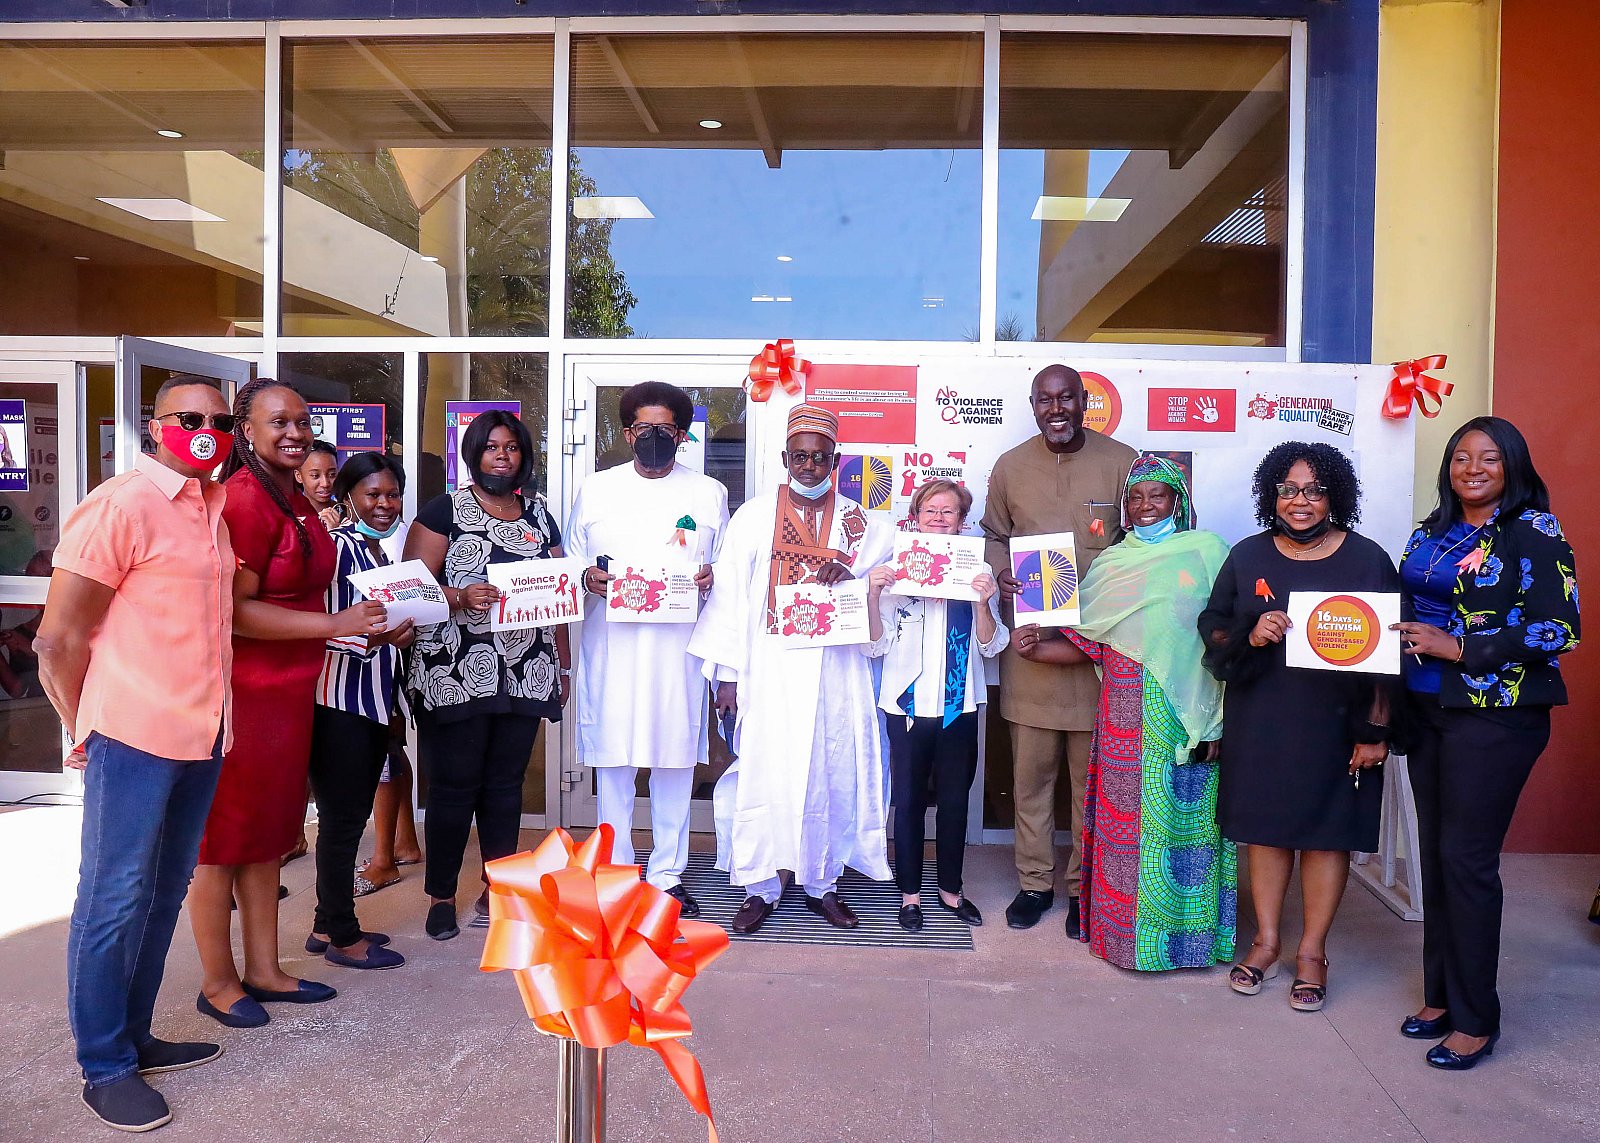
{"type": "Point", "coordinates": [479, 694]}
{"type": "Point", "coordinates": [1491, 601]}
{"type": "Point", "coordinates": [1298, 746]}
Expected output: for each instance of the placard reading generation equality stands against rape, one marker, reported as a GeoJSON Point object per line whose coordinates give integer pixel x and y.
{"type": "Point", "coordinates": [406, 590]}
{"type": "Point", "coordinates": [936, 567]}
{"type": "Point", "coordinates": [1343, 631]}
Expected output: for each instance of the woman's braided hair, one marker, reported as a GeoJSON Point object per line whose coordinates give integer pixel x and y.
{"type": "Point", "coordinates": [244, 456]}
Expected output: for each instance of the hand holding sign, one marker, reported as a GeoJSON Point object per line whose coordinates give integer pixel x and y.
{"type": "Point", "coordinates": [406, 591]}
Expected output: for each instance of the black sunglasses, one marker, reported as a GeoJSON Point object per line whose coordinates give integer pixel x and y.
{"type": "Point", "coordinates": [189, 422]}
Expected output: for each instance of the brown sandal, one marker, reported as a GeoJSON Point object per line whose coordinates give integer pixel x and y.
{"type": "Point", "coordinates": [1246, 979]}
{"type": "Point", "coordinates": [1307, 995]}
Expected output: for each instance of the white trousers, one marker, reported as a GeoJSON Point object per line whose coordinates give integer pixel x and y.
{"type": "Point", "coordinates": [771, 888]}
{"type": "Point", "coordinates": [669, 818]}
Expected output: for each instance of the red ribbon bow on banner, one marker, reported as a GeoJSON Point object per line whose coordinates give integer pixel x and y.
{"type": "Point", "coordinates": [777, 364]}
{"type": "Point", "coordinates": [598, 955]}
{"type": "Point", "coordinates": [1411, 384]}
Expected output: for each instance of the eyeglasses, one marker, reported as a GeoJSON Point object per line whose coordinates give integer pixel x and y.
{"type": "Point", "coordinates": [189, 422]}
{"type": "Point", "coordinates": [819, 457]}
{"type": "Point", "coordinates": [1312, 492]}
{"type": "Point", "coordinates": [647, 427]}
{"type": "Point", "coordinates": [940, 514]}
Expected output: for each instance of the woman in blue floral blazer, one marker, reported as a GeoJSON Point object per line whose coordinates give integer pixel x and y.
{"type": "Point", "coordinates": [1491, 601]}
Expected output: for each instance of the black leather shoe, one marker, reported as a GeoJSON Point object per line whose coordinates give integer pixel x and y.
{"type": "Point", "coordinates": [752, 915]}
{"type": "Point", "coordinates": [911, 918]}
{"type": "Point", "coordinates": [1416, 1028]}
{"type": "Point", "coordinates": [157, 1056]}
{"type": "Point", "coordinates": [441, 923]}
{"type": "Point", "coordinates": [964, 910]}
{"type": "Point", "coordinates": [1447, 1059]}
{"type": "Point", "coordinates": [130, 1104]}
{"type": "Point", "coordinates": [304, 992]}
{"type": "Point", "coordinates": [1074, 922]}
{"type": "Point", "coordinates": [245, 1013]}
{"type": "Point", "coordinates": [687, 905]}
{"type": "Point", "coordinates": [831, 909]}
{"type": "Point", "coordinates": [1028, 906]}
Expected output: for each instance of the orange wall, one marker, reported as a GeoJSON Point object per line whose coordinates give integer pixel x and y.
{"type": "Point", "coordinates": [1547, 355]}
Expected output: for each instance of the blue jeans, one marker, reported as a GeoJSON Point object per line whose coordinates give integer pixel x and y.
{"type": "Point", "coordinates": [142, 821]}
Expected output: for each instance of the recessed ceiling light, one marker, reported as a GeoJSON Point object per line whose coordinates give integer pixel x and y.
{"type": "Point", "coordinates": [1071, 208]}
{"type": "Point", "coordinates": [163, 209]}
{"type": "Point", "coordinates": [600, 206]}
{"type": "Point", "coordinates": [711, 124]}
{"type": "Point", "coordinates": [428, 258]}
{"type": "Point", "coordinates": [169, 133]}
{"type": "Point", "coordinates": [785, 258]}
{"type": "Point", "coordinates": [760, 297]}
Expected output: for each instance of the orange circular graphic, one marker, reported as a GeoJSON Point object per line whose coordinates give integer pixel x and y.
{"type": "Point", "coordinates": [1105, 403]}
{"type": "Point", "coordinates": [1342, 630]}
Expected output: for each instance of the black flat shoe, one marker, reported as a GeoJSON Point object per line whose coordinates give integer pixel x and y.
{"type": "Point", "coordinates": [1074, 920]}
{"type": "Point", "coordinates": [964, 910]}
{"type": "Point", "coordinates": [245, 1013]}
{"type": "Point", "coordinates": [305, 992]}
{"type": "Point", "coordinates": [441, 922]}
{"type": "Point", "coordinates": [315, 944]}
{"type": "Point", "coordinates": [687, 905]}
{"type": "Point", "coordinates": [157, 1056]}
{"type": "Point", "coordinates": [1028, 906]}
{"type": "Point", "coordinates": [1416, 1028]}
{"type": "Point", "coordinates": [130, 1104]}
{"type": "Point", "coordinates": [911, 918]}
{"type": "Point", "coordinates": [1449, 1060]}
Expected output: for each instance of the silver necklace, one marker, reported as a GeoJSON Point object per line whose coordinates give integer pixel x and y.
{"type": "Point", "coordinates": [1439, 555]}
{"type": "Point", "coordinates": [1306, 554]}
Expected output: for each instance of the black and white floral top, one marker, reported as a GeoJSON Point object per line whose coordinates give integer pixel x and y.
{"type": "Point", "coordinates": [460, 668]}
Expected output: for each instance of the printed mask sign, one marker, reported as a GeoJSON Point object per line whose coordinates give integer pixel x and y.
{"type": "Point", "coordinates": [1047, 567]}
{"type": "Point", "coordinates": [1346, 631]}
{"type": "Point", "coordinates": [457, 416]}
{"type": "Point", "coordinates": [652, 591]}
{"type": "Point", "coordinates": [13, 446]}
{"type": "Point", "coordinates": [817, 615]}
{"type": "Point", "coordinates": [536, 593]}
{"type": "Point", "coordinates": [406, 590]}
{"type": "Point", "coordinates": [349, 428]}
{"type": "Point", "coordinates": [936, 567]}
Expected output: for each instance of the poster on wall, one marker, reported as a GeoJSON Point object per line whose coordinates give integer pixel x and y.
{"type": "Point", "coordinates": [30, 521]}
{"type": "Point", "coordinates": [457, 416]}
{"type": "Point", "coordinates": [13, 446]}
{"type": "Point", "coordinates": [349, 428]}
{"type": "Point", "coordinates": [876, 403]}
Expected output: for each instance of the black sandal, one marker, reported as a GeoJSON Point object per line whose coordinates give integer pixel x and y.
{"type": "Point", "coordinates": [1247, 979]}
{"type": "Point", "coordinates": [1307, 995]}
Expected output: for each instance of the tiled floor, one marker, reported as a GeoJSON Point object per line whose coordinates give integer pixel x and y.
{"type": "Point", "coordinates": [1026, 1038]}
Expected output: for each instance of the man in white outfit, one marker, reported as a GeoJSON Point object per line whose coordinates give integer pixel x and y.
{"type": "Point", "coordinates": [641, 696]}
{"type": "Point", "coordinates": [806, 792]}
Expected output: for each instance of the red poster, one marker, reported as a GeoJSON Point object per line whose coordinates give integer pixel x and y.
{"type": "Point", "coordinates": [875, 404]}
{"type": "Point", "coordinates": [1193, 410]}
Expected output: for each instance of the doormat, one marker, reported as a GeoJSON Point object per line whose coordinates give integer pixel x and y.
{"type": "Point", "coordinates": [877, 903]}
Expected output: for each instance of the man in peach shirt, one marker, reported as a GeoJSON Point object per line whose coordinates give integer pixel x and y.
{"type": "Point", "coordinates": [135, 651]}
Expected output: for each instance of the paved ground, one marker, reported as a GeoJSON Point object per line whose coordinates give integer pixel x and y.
{"type": "Point", "coordinates": [1026, 1038]}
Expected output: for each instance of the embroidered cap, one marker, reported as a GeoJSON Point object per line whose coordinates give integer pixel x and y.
{"type": "Point", "coordinates": [813, 419]}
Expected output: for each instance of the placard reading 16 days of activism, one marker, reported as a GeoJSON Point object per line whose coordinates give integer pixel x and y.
{"type": "Point", "coordinates": [536, 593]}
{"type": "Point", "coordinates": [1344, 631]}
{"type": "Point", "coordinates": [935, 566]}
{"type": "Point", "coordinates": [817, 615]}
{"type": "Point", "coordinates": [1047, 568]}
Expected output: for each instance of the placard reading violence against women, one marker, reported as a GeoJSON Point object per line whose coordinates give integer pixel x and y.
{"type": "Point", "coordinates": [536, 593]}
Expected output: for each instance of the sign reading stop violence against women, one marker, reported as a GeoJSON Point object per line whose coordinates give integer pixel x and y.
{"type": "Point", "coordinates": [1344, 631]}
{"type": "Point", "coordinates": [936, 567]}
{"type": "Point", "coordinates": [406, 590]}
{"type": "Point", "coordinates": [536, 593]}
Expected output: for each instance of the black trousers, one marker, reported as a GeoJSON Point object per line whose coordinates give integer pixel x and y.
{"type": "Point", "coordinates": [947, 757]}
{"type": "Point", "coordinates": [475, 767]}
{"type": "Point", "coordinates": [1468, 768]}
{"type": "Point", "coordinates": [347, 753]}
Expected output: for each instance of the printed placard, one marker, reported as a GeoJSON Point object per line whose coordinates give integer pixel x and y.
{"type": "Point", "coordinates": [652, 591]}
{"type": "Point", "coordinates": [819, 615]}
{"type": "Point", "coordinates": [536, 593]}
{"type": "Point", "coordinates": [406, 590]}
{"type": "Point", "coordinates": [1344, 631]}
{"type": "Point", "coordinates": [936, 567]}
{"type": "Point", "coordinates": [13, 446]}
{"type": "Point", "coordinates": [1047, 567]}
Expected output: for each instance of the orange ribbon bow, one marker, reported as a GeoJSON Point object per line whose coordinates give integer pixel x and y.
{"type": "Point", "coordinates": [1472, 561]}
{"type": "Point", "coordinates": [1263, 590]}
{"type": "Point", "coordinates": [777, 364]}
{"type": "Point", "coordinates": [599, 956]}
{"type": "Point", "coordinates": [1411, 384]}
{"type": "Point", "coordinates": [1097, 527]}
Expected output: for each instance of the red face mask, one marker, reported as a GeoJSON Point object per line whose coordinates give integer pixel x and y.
{"type": "Point", "coordinates": [203, 448]}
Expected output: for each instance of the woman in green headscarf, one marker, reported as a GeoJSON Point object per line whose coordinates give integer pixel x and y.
{"type": "Point", "coordinates": [1160, 887]}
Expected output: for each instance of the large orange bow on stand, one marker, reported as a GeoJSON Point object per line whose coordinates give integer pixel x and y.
{"type": "Point", "coordinates": [599, 955]}
{"type": "Point", "coordinates": [1411, 383]}
{"type": "Point", "coordinates": [777, 364]}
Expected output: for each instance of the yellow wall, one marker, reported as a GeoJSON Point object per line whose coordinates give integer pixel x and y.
{"type": "Point", "coordinates": [1433, 271]}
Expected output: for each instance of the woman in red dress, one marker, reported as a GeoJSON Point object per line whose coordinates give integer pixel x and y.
{"type": "Point", "coordinates": [286, 560]}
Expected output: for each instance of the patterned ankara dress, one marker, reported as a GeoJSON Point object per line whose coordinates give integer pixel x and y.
{"type": "Point", "coordinates": [1160, 884]}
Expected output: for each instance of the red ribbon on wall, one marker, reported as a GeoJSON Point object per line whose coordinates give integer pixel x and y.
{"type": "Point", "coordinates": [1411, 384]}
{"type": "Point", "coordinates": [777, 364]}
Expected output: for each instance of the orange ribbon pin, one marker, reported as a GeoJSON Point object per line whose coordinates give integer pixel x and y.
{"type": "Point", "coordinates": [777, 364]}
{"type": "Point", "coordinates": [1411, 384]}
{"type": "Point", "coordinates": [598, 955]}
{"type": "Point", "coordinates": [1097, 527]}
{"type": "Point", "coordinates": [1263, 590]}
{"type": "Point", "coordinates": [1472, 561]}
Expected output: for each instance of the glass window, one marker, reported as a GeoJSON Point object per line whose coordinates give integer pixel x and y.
{"type": "Point", "coordinates": [1143, 189]}
{"type": "Point", "coordinates": [417, 186]}
{"type": "Point", "coordinates": [738, 185]}
{"type": "Point", "coordinates": [130, 188]}
{"type": "Point", "coordinates": [722, 450]}
{"type": "Point", "coordinates": [357, 400]}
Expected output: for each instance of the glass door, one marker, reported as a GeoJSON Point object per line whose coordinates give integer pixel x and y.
{"type": "Point", "coordinates": [41, 479]}
{"type": "Point", "coordinates": [142, 367]}
{"type": "Point", "coordinates": [725, 444]}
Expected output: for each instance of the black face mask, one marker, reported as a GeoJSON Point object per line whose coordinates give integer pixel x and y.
{"type": "Point", "coordinates": [656, 447]}
{"type": "Point", "coordinates": [495, 485]}
{"type": "Point", "coordinates": [1304, 535]}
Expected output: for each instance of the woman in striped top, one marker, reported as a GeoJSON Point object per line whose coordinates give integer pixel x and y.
{"type": "Point", "coordinates": [356, 700]}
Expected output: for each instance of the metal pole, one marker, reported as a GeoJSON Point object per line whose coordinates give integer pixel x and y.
{"type": "Point", "coordinates": [580, 1094]}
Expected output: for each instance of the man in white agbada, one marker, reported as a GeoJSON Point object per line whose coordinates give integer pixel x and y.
{"type": "Point", "coordinates": [805, 794]}
{"type": "Point", "coordinates": [641, 695]}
